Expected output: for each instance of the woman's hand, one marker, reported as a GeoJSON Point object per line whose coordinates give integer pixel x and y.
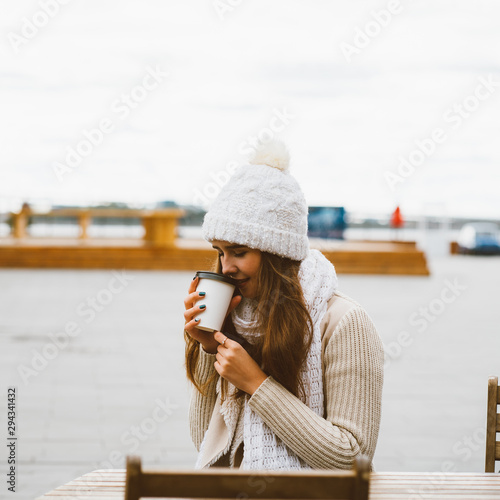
{"type": "Point", "coordinates": [193, 308]}
{"type": "Point", "coordinates": [236, 365]}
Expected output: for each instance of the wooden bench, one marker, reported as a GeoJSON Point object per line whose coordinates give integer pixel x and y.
{"type": "Point", "coordinates": [224, 483]}
{"type": "Point", "coordinates": [492, 425]}
{"type": "Point", "coordinates": [160, 225]}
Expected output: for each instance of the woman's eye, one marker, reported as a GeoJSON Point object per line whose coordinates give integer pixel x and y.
{"type": "Point", "coordinates": [239, 254]}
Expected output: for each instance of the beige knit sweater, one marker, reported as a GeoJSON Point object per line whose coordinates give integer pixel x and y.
{"type": "Point", "coordinates": [352, 360]}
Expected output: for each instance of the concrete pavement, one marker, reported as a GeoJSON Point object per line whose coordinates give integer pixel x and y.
{"type": "Point", "coordinates": [97, 359]}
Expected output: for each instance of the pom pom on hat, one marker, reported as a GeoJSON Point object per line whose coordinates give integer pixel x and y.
{"type": "Point", "coordinates": [273, 154]}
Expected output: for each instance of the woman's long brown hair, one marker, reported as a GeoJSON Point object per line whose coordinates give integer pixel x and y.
{"type": "Point", "coordinates": [283, 320]}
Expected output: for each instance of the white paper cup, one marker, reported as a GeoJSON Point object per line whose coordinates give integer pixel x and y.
{"type": "Point", "coordinates": [218, 290]}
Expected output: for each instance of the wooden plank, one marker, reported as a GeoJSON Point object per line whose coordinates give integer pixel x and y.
{"type": "Point", "coordinates": [383, 485]}
{"type": "Point", "coordinates": [81, 493]}
{"type": "Point", "coordinates": [404, 495]}
{"type": "Point", "coordinates": [363, 259]}
{"type": "Point", "coordinates": [447, 486]}
{"type": "Point", "coordinates": [492, 448]}
{"type": "Point", "coordinates": [457, 478]}
{"type": "Point", "coordinates": [110, 212]}
{"type": "Point", "coordinates": [76, 497]}
{"type": "Point", "coordinates": [225, 483]}
{"type": "Point", "coordinates": [262, 485]}
{"type": "Point", "coordinates": [133, 483]}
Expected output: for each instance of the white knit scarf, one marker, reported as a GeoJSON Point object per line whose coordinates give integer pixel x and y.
{"type": "Point", "coordinates": [262, 448]}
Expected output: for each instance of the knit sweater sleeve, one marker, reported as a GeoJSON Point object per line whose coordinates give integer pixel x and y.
{"type": "Point", "coordinates": [352, 379]}
{"type": "Point", "coordinates": [201, 405]}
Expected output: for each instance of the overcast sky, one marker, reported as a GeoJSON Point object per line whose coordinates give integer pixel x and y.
{"type": "Point", "coordinates": [380, 102]}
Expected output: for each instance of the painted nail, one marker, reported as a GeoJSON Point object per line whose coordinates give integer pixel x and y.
{"type": "Point", "coordinates": [195, 278]}
{"type": "Point", "coordinates": [197, 319]}
{"type": "Point", "coordinates": [202, 294]}
{"type": "Point", "coordinates": [203, 306]}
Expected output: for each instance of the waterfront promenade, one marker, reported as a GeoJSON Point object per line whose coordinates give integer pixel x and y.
{"type": "Point", "coordinates": [97, 358]}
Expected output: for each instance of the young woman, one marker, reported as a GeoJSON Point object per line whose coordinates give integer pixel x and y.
{"type": "Point", "coordinates": [294, 379]}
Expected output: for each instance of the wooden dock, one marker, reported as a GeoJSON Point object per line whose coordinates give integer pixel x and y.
{"type": "Point", "coordinates": [349, 257]}
{"type": "Point", "coordinates": [161, 249]}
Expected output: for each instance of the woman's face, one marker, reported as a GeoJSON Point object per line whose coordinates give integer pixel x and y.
{"type": "Point", "coordinates": [241, 263]}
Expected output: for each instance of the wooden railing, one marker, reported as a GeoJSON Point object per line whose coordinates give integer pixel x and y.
{"type": "Point", "coordinates": [160, 226]}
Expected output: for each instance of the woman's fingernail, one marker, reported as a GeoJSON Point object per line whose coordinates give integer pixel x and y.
{"type": "Point", "coordinates": [202, 294]}
{"type": "Point", "coordinates": [197, 319]}
{"type": "Point", "coordinates": [195, 278]}
{"type": "Point", "coordinates": [203, 306]}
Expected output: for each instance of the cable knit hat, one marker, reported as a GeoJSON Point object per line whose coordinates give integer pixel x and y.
{"type": "Point", "coordinates": [262, 206]}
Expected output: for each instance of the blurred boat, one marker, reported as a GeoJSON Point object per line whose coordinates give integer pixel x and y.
{"type": "Point", "coordinates": [479, 238]}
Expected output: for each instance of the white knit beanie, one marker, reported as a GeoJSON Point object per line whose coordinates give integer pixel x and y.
{"type": "Point", "coordinates": [262, 206]}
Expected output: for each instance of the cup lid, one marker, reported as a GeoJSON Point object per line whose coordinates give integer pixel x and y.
{"type": "Point", "coordinates": [216, 276]}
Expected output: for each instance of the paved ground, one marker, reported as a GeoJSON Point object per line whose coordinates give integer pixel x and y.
{"type": "Point", "coordinates": [114, 384]}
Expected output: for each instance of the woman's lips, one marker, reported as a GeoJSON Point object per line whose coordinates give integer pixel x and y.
{"type": "Point", "coordinates": [242, 283]}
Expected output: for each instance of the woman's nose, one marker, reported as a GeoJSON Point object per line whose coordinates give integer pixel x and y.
{"type": "Point", "coordinates": [228, 267]}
